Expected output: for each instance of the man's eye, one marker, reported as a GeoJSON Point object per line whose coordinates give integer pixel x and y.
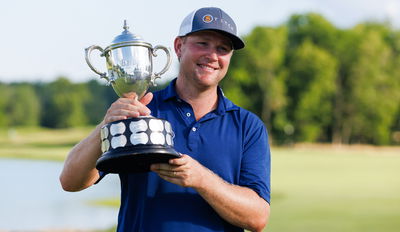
{"type": "Point", "coordinates": [224, 49]}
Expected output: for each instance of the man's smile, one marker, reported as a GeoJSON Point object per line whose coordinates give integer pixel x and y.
{"type": "Point", "coordinates": [207, 67]}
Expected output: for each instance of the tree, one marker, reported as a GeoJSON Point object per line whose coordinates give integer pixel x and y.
{"type": "Point", "coordinates": [373, 88]}
{"type": "Point", "coordinates": [346, 56]}
{"type": "Point", "coordinates": [23, 108]}
{"type": "Point", "coordinates": [4, 99]}
{"type": "Point", "coordinates": [97, 101]}
{"type": "Point", "coordinates": [311, 88]}
{"type": "Point", "coordinates": [64, 104]}
{"type": "Point", "coordinates": [255, 80]}
{"type": "Point", "coordinates": [314, 28]}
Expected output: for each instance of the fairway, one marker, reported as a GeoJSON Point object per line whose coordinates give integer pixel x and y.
{"type": "Point", "coordinates": [39, 143]}
{"type": "Point", "coordinates": [327, 188]}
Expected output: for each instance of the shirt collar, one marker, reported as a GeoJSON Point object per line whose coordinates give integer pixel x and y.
{"type": "Point", "coordinates": [224, 104]}
{"type": "Point", "coordinates": [169, 92]}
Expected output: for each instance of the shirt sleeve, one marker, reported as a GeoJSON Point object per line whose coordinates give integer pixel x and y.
{"type": "Point", "coordinates": [256, 160]}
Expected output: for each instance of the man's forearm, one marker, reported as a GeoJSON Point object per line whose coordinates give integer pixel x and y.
{"type": "Point", "coordinates": [238, 205]}
{"type": "Point", "coordinates": [79, 170]}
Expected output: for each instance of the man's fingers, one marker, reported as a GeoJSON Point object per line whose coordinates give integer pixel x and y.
{"type": "Point", "coordinates": [146, 99]}
{"type": "Point", "coordinates": [132, 97]}
{"type": "Point", "coordinates": [179, 161]}
{"type": "Point", "coordinates": [161, 167]}
{"type": "Point", "coordinates": [166, 171]}
{"type": "Point", "coordinates": [133, 105]}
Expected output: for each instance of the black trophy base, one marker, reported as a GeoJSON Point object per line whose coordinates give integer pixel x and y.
{"type": "Point", "coordinates": [134, 159]}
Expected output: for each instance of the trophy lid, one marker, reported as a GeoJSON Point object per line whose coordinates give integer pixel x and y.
{"type": "Point", "coordinates": [126, 38]}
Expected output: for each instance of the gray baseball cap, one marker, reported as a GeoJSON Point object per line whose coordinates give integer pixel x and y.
{"type": "Point", "coordinates": [211, 18]}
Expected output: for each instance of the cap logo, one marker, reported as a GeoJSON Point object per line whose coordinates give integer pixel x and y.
{"type": "Point", "coordinates": [208, 18]}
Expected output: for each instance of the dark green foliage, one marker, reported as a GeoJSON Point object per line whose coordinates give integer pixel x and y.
{"type": "Point", "coordinates": [312, 82]}
{"type": "Point", "coordinates": [312, 27]}
{"type": "Point", "coordinates": [23, 106]}
{"type": "Point", "coordinates": [64, 104]}
{"type": "Point", "coordinates": [256, 80]}
{"type": "Point", "coordinates": [5, 95]}
{"type": "Point", "coordinates": [311, 88]}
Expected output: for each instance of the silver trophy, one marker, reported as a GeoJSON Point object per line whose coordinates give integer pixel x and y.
{"type": "Point", "coordinates": [133, 144]}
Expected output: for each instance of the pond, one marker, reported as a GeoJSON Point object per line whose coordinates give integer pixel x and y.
{"type": "Point", "coordinates": [31, 198]}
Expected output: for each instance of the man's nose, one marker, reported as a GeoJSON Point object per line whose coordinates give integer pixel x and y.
{"type": "Point", "coordinates": [212, 54]}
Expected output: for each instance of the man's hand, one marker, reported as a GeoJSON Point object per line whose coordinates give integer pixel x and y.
{"type": "Point", "coordinates": [128, 107]}
{"type": "Point", "coordinates": [183, 171]}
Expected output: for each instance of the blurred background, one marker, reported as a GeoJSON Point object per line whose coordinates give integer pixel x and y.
{"type": "Point", "coordinates": [323, 76]}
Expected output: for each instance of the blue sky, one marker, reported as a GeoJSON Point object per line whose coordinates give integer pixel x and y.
{"type": "Point", "coordinates": [43, 39]}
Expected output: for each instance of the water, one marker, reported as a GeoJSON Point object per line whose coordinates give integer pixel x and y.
{"type": "Point", "coordinates": [31, 198]}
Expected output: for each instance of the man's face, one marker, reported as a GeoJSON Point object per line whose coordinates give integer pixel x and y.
{"type": "Point", "coordinates": [204, 57]}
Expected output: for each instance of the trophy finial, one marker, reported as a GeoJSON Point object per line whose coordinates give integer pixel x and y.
{"type": "Point", "coordinates": [125, 25]}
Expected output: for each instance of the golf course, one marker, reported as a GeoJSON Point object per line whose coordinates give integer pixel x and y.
{"type": "Point", "coordinates": [315, 187]}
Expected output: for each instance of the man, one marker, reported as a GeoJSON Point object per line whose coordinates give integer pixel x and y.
{"type": "Point", "coordinates": [222, 180]}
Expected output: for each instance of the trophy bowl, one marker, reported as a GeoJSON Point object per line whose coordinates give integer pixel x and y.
{"type": "Point", "coordinates": [133, 144]}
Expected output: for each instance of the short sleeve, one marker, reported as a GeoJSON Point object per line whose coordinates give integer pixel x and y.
{"type": "Point", "coordinates": [256, 160]}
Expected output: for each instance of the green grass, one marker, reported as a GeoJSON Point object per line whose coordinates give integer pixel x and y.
{"type": "Point", "coordinates": [326, 188]}
{"type": "Point", "coordinates": [39, 143]}
{"type": "Point", "coordinates": [314, 187]}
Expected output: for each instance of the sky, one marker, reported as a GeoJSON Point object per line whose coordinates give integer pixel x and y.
{"type": "Point", "coordinates": [42, 40]}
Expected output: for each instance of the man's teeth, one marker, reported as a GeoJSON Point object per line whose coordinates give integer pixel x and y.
{"type": "Point", "coordinates": [206, 67]}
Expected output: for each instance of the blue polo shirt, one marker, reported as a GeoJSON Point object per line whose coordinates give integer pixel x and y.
{"type": "Point", "coordinates": [230, 141]}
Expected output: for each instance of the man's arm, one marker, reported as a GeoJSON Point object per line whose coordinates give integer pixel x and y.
{"type": "Point", "coordinates": [79, 170]}
{"type": "Point", "coordinates": [240, 206]}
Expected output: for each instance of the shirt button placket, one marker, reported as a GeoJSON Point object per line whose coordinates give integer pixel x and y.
{"type": "Point", "coordinates": [193, 137]}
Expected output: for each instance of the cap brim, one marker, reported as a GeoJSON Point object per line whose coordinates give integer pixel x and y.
{"type": "Point", "coordinates": [237, 43]}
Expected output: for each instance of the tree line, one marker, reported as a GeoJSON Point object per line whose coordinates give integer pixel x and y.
{"type": "Point", "coordinates": [311, 81]}
{"type": "Point", "coordinates": [57, 104]}
{"type": "Point", "coordinates": [308, 80]}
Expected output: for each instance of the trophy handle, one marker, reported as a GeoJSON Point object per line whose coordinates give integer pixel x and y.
{"type": "Point", "coordinates": [166, 67]}
{"type": "Point", "coordinates": [88, 52]}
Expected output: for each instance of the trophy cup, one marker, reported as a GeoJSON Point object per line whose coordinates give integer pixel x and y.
{"type": "Point", "coordinates": [133, 144]}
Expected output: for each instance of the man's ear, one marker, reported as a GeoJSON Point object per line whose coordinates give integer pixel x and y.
{"type": "Point", "coordinates": [178, 46]}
